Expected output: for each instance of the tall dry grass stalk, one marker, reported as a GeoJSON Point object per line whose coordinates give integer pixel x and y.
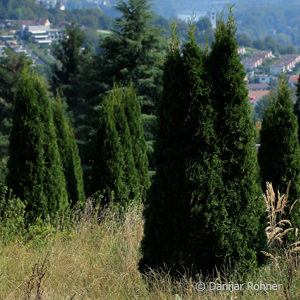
{"type": "Point", "coordinates": [282, 252]}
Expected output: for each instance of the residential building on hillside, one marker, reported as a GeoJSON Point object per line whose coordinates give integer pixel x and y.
{"type": "Point", "coordinates": [265, 78]}
{"type": "Point", "coordinates": [258, 86]}
{"type": "Point", "coordinates": [35, 22]}
{"type": "Point", "coordinates": [2, 50]}
{"type": "Point", "coordinates": [242, 50]}
{"type": "Point", "coordinates": [257, 91]}
{"type": "Point", "coordinates": [43, 35]}
{"type": "Point", "coordinates": [255, 96]}
{"type": "Point", "coordinates": [285, 64]}
{"type": "Point", "coordinates": [256, 59]}
{"type": "Point", "coordinates": [293, 80]}
{"type": "Point", "coordinates": [47, 3]}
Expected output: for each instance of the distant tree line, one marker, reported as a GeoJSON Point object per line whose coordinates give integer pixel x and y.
{"type": "Point", "coordinates": [268, 43]}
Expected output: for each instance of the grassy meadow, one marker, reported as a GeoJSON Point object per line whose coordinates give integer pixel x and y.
{"type": "Point", "coordinates": [97, 258]}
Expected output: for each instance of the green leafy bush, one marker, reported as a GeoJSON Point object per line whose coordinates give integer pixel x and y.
{"type": "Point", "coordinates": [12, 215]}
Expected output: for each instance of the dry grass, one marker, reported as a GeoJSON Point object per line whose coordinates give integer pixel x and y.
{"type": "Point", "coordinates": [282, 251]}
{"type": "Point", "coordinates": [99, 261]}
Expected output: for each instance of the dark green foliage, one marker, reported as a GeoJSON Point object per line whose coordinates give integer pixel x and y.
{"type": "Point", "coordinates": [12, 215]}
{"type": "Point", "coordinates": [35, 170]}
{"type": "Point", "coordinates": [108, 167]}
{"type": "Point", "coordinates": [120, 161]}
{"type": "Point", "coordinates": [167, 210]}
{"type": "Point", "coordinates": [73, 76]}
{"type": "Point", "coordinates": [29, 9]}
{"type": "Point", "coordinates": [69, 56]}
{"type": "Point", "coordinates": [279, 153]}
{"type": "Point", "coordinates": [203, 31]}
{"type": "Point", "coordinates": [10, 71]}
{"type": "Point", "coordinates": [244, 235]}
{"type": "Point", "coordinates": [21, 9]}
{"type": "Point", "coordinates": [69, 156]}
{"type": "Point", "coordinates": [205, 207]}
{"type": "Point", "coordinates": [208, 213]}
{"type": "Point", "coordinates": [297, 107]}
{"type": "Point", "coordinates": [134, 53]}
{"type": "Point", "coordinates": [54, 184]}
{"type": "Point", "coordinates": [131, 179]}
{"type": "Point", "coordinates": [139, 148]}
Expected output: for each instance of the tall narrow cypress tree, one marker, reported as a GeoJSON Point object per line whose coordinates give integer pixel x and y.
{"type": "Point", "coordinates": [54, 183]}
{"type": "Point", "coordinates": [205, 205]}
{"type": "Point", "coordinates": [69, 156]}
{"type": "Point", "coordinates": [204, 185]}
{"type": "Point", "coordinates": [167, 209]}
{"type": "Point", "coordinates": [244, 236]}
{"type": "Point", "coordinates": [297, 107]}
{"type": "Point", "coordinates": [108, 167]}
{"type": "Point", "coordinates": [120, 158]}
{"type": "Point", "coordinates": [130, 173]}
{"type": "Point", "coordinates": [139, 148]}
{"type": "Point", "coordinates": [35, 170]}
{"type": "Point", "coordinates": [26, 162]}
{"type": "Point", "coordinates": [279, 153]}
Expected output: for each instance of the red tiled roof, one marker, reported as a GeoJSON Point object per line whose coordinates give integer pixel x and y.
{"type": "Point", "coordinates": [258, 94]}
{"type": "Point", "coordinates": [294, 79]}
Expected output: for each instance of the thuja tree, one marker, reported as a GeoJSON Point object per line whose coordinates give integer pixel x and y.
{"type": "Point", "coordinates": [167, 209]}
{"type": "Point", "coordinates": [297, 107]}
{"type": "Point", "coordinates": [130, 173]}
{"type": "Point", "coordinates": [279, 152]}
{"type": "Point", "coordinates": [139, 148]}
{"type": "Point", "coordinates": [119, 157]}
{"type": "Point", "coordinates": [69, 156]}
{"type": "Point", "coordinates": [35, 171]}
{"type": "Point", "coordinates": [11, 68]}
{"type": "Point", "coordinates": [108, 166]}
{"type": "Point", "coordinates": [208, 215]}
{"type": "Point", "coordinates": [243, 236]}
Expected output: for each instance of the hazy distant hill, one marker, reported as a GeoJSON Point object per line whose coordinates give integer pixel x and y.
{"type": "Point", "coordinates": [29, 9]}
{"type": "Point", "coordinates": [256, 18]}
{"type": "Point", "coordinates": [21, 9]}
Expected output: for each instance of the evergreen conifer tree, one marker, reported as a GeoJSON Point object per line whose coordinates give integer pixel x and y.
{"type": "Point", "coordinates": [11, 68]}
{"type": "Point", "coordinates": [139, 148]}
{"type": "Point", "coordinates": [208, 215]}
{"type": "Point", "coordinates": [69, 156]}
{"type": "Point", "coordinates": [167, 209]}
{"type": "Point", "coordinates": [130, 173]}
{"type": "Point", "coordinates": [108, 166]}
{"type": "Point", "coordinates": [69, 55]}
{"type": "Point", "coordinates": [279, 152]}
{"type": "Point", "coordinates": [114, 152]}
{"type": "Point", "coordinates": [35, 170]}
{"type": "Point", "coordinates": [134, 53]}
{"type": "Point", "coordinates": [54, 184]}
{"type": "Point", "coordinates": [205, 206]}
{"type": "Point", "coordinates": [243, 235]}
{"type": "Point", "coordinates": [73, 76]}
{"type": "Point", "coordinates": [297, 107]}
